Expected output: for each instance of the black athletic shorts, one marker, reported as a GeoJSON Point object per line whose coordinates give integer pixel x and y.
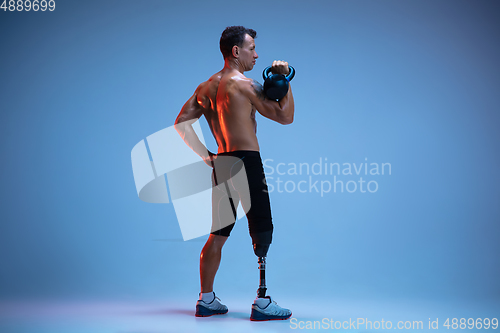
{"type": "Point", "coordinates": [248, 191]}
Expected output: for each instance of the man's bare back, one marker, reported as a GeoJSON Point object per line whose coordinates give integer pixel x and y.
{"type": "Point", "coordinates": [230, 115]}
{"type": "Point", "coordinates": [229, 101]}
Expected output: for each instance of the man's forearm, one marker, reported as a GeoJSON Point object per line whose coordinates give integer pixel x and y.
{"type": "Point", "coordinates": [288, 107]}
{"type": "Point", "coordinates": [187, 133]}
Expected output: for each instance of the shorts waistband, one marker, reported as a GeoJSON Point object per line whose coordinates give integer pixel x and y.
{"type": "Point", "coordinates": [241, 153]}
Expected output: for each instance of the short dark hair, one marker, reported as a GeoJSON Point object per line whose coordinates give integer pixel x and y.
{"type": "Point", "coordinates": [234, 35]}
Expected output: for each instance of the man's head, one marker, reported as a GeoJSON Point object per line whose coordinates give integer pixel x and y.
{"type": "Point", "coordinates": [238, 42]}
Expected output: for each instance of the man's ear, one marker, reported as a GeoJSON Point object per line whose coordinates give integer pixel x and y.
{"type": "Point", "coordinates": [235, 51]}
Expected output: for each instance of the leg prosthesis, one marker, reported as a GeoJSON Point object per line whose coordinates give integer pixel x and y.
{"type": "Point", "coordinates": [261, 242]}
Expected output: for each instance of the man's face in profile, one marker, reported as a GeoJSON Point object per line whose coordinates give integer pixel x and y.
{"type": "Point", "coordinates": [246, 53]}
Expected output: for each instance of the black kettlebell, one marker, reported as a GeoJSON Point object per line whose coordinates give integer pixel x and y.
{"type": "Point", "coordinates": [276, 85]}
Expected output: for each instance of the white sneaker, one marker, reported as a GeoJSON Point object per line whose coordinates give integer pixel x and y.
{"type": "Point", "coordinates": [215, 307]}
{"type": "Point", "coordinates": [271, 311]}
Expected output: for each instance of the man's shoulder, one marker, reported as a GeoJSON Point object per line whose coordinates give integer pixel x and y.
{"type": "Point", "coordinates": [214, 79]}
{"type": "Point", "coordinates": [209, 87]}
{"type": "Point", "coordinates": [206, 91]}
{"type": "Point", "coordinates": [232, 83]}
{"type": "Point", "coordinates": [250, 87]}
{"type": "Point", "coordinates": [242, 83]}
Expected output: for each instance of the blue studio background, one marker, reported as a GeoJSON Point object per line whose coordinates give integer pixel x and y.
{"type": "Point", "coordinates": [410, 83]}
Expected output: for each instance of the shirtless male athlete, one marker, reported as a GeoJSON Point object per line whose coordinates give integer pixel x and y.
{"type": "Point", "coordinates": [229, 100]}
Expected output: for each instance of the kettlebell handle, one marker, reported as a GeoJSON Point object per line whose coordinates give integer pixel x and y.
{"type": "Point", "coordinates": [288, 77]}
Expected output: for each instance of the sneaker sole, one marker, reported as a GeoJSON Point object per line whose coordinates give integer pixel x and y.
{"type": "Point", "coordinates": [202, 311]}
{"type": "Point", "coordinates": [257, 316]}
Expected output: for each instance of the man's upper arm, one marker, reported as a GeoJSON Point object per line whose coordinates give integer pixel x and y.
{"type": "Point", "coordinates": [191, 110]}
{"type": "Point", "coordinates": [266, 107]}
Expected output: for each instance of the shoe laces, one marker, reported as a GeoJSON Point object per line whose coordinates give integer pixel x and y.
{"type": "Point", "coordinates": [278, 309]}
